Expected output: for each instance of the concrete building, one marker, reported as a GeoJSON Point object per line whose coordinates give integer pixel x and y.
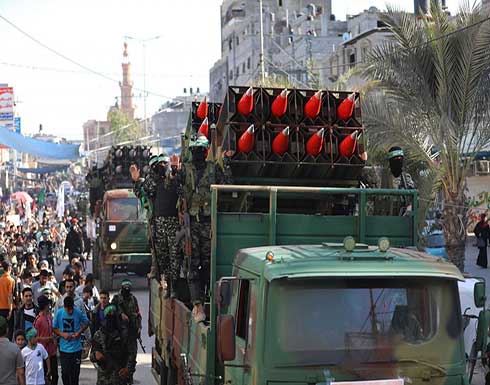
{"type": "Point", "coordinates": [304, 44]}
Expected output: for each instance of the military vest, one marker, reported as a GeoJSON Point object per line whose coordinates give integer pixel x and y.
{"type": "Point", "coordinates": [198, 195]}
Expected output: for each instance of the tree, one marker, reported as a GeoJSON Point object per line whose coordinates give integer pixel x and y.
{"type": "Point", "coordinates": [125, 128]}
{"type": "Point", "coordinates": [434, 100]}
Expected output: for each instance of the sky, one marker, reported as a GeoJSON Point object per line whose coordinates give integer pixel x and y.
{"type": "Point", "coordinates": [55, 92]}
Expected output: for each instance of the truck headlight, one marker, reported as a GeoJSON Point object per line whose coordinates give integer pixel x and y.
{"type": "Point", "coordinates": [113, 246]}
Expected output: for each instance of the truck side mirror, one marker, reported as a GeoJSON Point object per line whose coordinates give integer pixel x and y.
{"type": "Point", "coordinates": [223, 292]}
{"type": "Point", "coordinates": [226, 338]}
{"type": "Point", "coordinates": [479, 294]}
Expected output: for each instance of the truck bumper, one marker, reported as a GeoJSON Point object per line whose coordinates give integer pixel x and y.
{"type": "Point", "coordinates": [127, 259]}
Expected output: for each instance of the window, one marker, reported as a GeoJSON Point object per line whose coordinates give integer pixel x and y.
{"type": "Point", "coordinates": [248, 62]}
{"type": "Point", "coordinates": [122, 209]}
{"type": "Point", "coordinates": [230, 44]}
{"type": "Point", "coordinates": [242, 309]}
{"type": "Point", "coordinates": [231, 75]}
{"type": "Point", "coordinates": [243, 67]}
{"type": "Point", "coordinates": [237, 71]}
{"type": "Point", "coordinates": [280, 3]}
{"type": "Point", "coordinates": [237, 40]}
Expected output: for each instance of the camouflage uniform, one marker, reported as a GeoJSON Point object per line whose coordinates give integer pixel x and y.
{"type": "Point", "coordinates": [197, 193]}
{"type": "Point", "coordinates": [163, 227]}
{"type": "Point", "coordinates": [110, 341]}
{"type": "Point", "coordinates": [129, 306]}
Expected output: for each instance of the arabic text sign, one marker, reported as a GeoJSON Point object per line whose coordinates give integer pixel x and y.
{"type": "Point", "coordinates": [398, 381]}
{"type": "Point", "coordinates": [6, 103]}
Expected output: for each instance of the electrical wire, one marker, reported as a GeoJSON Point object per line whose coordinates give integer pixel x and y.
{"type": "Point", "coordinates": [84, 67]}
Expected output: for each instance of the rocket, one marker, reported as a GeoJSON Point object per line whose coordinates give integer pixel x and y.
{"type": "Point", "coordinates": [246, 141]}
{"type": "Point", "coordinates": [346, 108]}
{"type": "Point", "coordinates": [202, 109]}
{"type": "Point", "coordinates": [348, 145]}
{"type": "Point", "coordinates": [312, 107]}
{"type": "Point", "coordinates": [280, 104]}
{"type": "Point", "coordinates": [246, 102]}
{"type": "Point", "coordinates": [315, 143]}
{"type": "Point", "coordinates": [281, 142]}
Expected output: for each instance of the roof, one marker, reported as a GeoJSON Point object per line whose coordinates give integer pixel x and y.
{"type": "Point", "coordinates": [119, 193]}
{"type": "Point", "coordinates": [329, 260]}
{"type": "Point", "coordinates": [365, 34]}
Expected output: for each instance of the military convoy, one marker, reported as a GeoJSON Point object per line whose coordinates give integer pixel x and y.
{"type": "Point", "coordinates": [313, 280]}
{"type": "Point", "coordinates": [121, 242]}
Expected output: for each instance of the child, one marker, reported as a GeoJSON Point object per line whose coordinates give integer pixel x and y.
{"type": "Point", "coordinates": [35, 357]}
{"type": "Point", "coordinates": [20, 338]}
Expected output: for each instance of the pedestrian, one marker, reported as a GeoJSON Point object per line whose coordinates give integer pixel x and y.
{"type": "Point", "coordinates": [27, 313]}
{"type": "Point", "coordinates": [197, 177]}
{"type": "Point", "coordinates": [161, 187]}
{"type": "Point", "coordinates": [35, 359]}
{"type": "Point", "coordinates": [7, 291]}
{"type": "Point", "coordinates": [43, 283]}
{"type": "Point", "coordinates": [128, 308]}
{"type": "Point", "coordinates": [20, 339]}
{"type": "Point", "coordinates": [74, 241]}
{"type": "Point", "coordinates": [70, 292]}
{"type": "Point", "coordinates": [46, 337]}
{"type": "Point", "coordinates": [69, 324]}
{"type": "Point", "coordinates": [109, 351]}
{"type": "Point", "coordinates": [97, 315]}
{"type": "Point", "coordinates": [12, 363]}
{"type": "Point", "coordinates": [482, 233]}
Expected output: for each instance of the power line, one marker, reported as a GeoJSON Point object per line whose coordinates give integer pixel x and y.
{"type": "Point", "coordinates": [57, 53]}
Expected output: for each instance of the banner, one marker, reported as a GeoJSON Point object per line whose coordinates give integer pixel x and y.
{"type": "Point", "coordinates": [6, 104]}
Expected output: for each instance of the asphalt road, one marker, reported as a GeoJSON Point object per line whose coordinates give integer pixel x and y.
{"type": "Point", "coordinates": [88, 374]}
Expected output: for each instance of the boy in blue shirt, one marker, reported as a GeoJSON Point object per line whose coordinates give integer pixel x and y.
{"type": "Point", "coordinates": [69, 323]}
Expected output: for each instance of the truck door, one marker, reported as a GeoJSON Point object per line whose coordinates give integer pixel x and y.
{"type": "Point", "coordinates": [243, 307]}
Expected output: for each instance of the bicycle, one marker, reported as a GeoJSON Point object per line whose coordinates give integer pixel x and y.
{"type": "Point", "coordinates": [479, 343]}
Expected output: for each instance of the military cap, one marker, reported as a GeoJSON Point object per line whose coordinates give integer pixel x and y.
{"type": "Point", "coordinates": [395, 152]}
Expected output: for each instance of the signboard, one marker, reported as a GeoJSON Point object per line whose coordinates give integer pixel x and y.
{"type": "Point", "coordinates": [17, 124]}
{"type": "Point", "coordinates": [398, 381]}
{"type": "Point", "coordinates": [6, 103]}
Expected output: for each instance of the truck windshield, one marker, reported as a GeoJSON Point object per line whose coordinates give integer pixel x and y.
{"type": "Point", "coordinates": [318, 322]}
{"type": "Point", "coordinates": [123, 209]}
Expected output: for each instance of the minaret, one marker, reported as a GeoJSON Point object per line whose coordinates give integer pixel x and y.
{"type": "Point", "coordinates": [126, 86]}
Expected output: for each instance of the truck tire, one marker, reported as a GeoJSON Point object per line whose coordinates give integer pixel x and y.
{"type": "Point", "coordinates": [105, 277]}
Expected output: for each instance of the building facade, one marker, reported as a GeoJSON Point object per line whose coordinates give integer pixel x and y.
{"type": "Point", "coordinates": [304, 44]}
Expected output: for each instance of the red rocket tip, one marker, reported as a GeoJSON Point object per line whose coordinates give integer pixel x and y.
{"type": "Point", "coordinates": [246, 141]}
{"type": "Point", "coordinates": [246, 102]}
{"type": "Point", "coordinates": [315, 143]}
{"type": "Point", "coordinates": [202, 109]}
{"type": "Point", "coordinates": [280, 104]}
{"type": "Point", "coordinates": [281, 142]}
{"type": "Point", "coordinates": [312, 107]}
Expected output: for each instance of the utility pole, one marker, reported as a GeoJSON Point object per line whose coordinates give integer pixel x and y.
{"type": "Point", "coordinates": [261, 57]}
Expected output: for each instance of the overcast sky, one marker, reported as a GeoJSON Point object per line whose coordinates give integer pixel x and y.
{"type": "Point", "coordinates": [62, 96]}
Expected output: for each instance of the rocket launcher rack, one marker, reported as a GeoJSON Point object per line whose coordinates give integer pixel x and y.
{"type": "Point", "coordinates": [305, 159]}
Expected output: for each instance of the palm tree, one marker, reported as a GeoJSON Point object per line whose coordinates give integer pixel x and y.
{"type": "Point", "coordinates": [434, 98]}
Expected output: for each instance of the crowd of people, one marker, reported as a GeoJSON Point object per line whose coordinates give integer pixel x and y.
{"type": "Point", "coordinates": [43, 321]}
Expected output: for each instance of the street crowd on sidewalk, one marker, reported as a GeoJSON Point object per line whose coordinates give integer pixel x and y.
{"type": "Point", "coordinates": [44, 322]}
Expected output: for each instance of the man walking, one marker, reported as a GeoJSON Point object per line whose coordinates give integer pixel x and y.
{"type": "Point", "coordinates": [109, 351]}
{"type": "Point", "coordinates": [7, 288]}
{"type": "Point", "coordinates": [27, 312]}
{"type": "Point", "coordinates": [69, 324]}
{"type": "Point", "coordinates": [98, 315]}
{"type": "Point", "coordinates": [127, 306]}
{"type": "Point", "coordinates": [46, 337]}
{"type": "Point", "coordinates": [11, 361]}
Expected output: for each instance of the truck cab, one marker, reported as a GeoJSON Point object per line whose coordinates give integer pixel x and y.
{"type": "Point", "coordinates": [122, 242]}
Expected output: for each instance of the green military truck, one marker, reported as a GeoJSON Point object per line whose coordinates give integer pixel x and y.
{"type": "Point", "coordinates": [312, 284]}
{"type": "Point", "coordinates": [121, 243]}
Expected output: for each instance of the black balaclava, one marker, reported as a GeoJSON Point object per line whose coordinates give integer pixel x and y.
{"type": "Point", "coordinates": [199, 156]}
{"type": "Point", "coordinates": [396, 162]}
